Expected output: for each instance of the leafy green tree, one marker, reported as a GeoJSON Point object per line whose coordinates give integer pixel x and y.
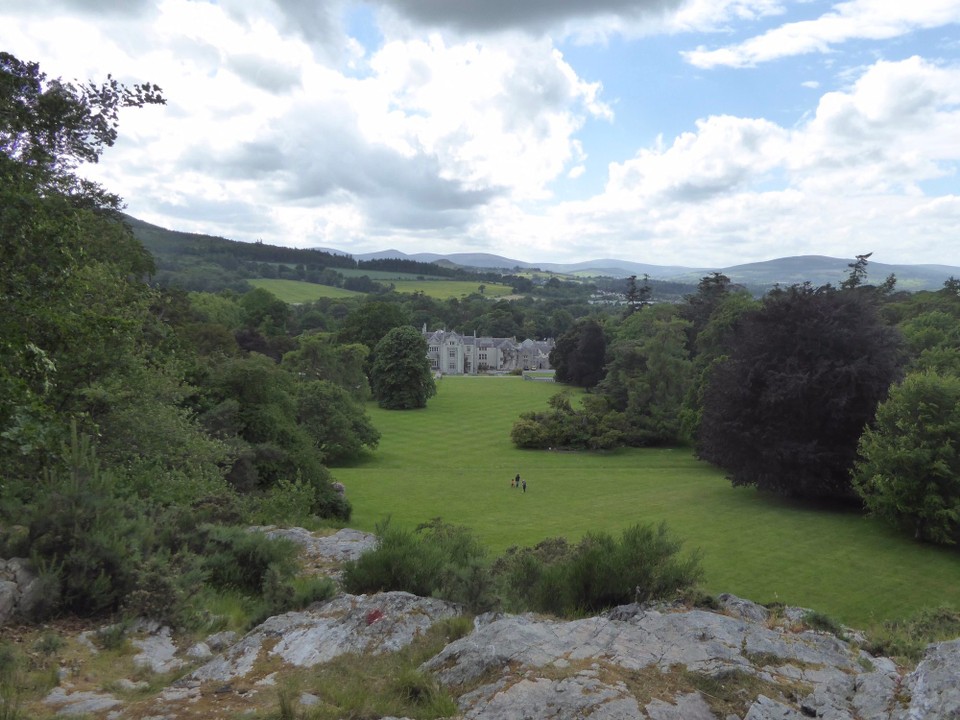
{"type": "Point", "coordinates": [401, 376]}
{"type": "Point", "coordinates": [909, 471]}
{"type": "Point", "coordinates": [711, 290]}
{"type": "Point", "coordinates": [369, 323]}
{"type": "Point", "coordinates": [579, 354]}
{"type": "Point", "coordinates": [933, 339]}
{"type": "Point", "coordinates": [265, 312]}
{"type": "Point", "coordinates": [785, 411]}
{"type": "Point", "coordinates": [337, 424]}
{"type": "Point", "coordinates": [317, 357]}
{"type": "Point", "coordinates": [649, 375]}
{"type": "Point", "coordinates": [71, 304]}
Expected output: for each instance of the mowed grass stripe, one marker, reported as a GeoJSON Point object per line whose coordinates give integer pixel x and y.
{"type": "Point", "coordinates": [454, 459]}
{"type": "Point", "coordinates": [297, 291]}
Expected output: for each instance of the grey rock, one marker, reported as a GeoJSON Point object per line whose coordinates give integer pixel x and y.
{"type": "Point", "coordinates": [157, 652]}
{"type": "Point", "coordinates": [130, 685]}
{"type": "Point", "coordinates": [743, 609]}
{"type": "Point", "coordinates": [221, 640]}
{"type": "Point", "coordinates": [766, 709]}
{"type": "Point", "coordinates": [701, 641]}
{"type": "Point", "coordinates": [199, 651]}
{"type": "Point", "coordinates": [875, 691]}
{"type": "Point", "coordinates": [581, 696]}
{"type": "Point", "coordinates": [309, 699]}
{"type": "Point", "coordinates": [9, 594]}
{"type": "Point", "coordinates": [934, 687]}
{"type": "Point", "coordinates": [80, 703]}
{"type": "Point", "coordinates": [376, 624]}
{"type": "Point", "coordinates": [20, 590]}
{"type": "Point", "coordinates": [343, 545]}
{"type": "Point", "coordinates": [691, 706]}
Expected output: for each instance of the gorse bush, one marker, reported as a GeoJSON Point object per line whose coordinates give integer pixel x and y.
{"type": "Point", "coordinates": [437, 559]}
{"type": "Point", "coordinates": [81, 533]}
{"type": "Point", "coordinates": [597, 573]}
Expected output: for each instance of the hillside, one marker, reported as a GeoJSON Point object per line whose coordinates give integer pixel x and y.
{"type": "Point", "coordinates": [817, 269]}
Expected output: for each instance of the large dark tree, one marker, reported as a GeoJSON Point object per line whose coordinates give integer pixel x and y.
{"type": "Point", "coordinates": [785, 411]}
{"type": "Point", "coordinates": [401, 378]}
{"type": "Point", "coordinates": [579, 355]}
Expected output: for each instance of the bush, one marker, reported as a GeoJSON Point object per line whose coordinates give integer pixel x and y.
{"type": "Point", "coordinates": [235, 558]}
{"type": "Point", "coordinates": [438, 560]}
{"type": "Point", "coordinates": [598, 573]}
{"type": "Point", "coordinates": [909, 638]}
{"type": "Point", "coordinates": [79, 532]}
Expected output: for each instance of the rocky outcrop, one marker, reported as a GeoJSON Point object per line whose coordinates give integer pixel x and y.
{"type": "Point", "coordinates": [648, 663]}
{"type": "Point", "coordinates": [379, 623]}
{"type": "Point", "coordinates": [20, 590]}
{"type": "Point", "coordinates": [324, 554]}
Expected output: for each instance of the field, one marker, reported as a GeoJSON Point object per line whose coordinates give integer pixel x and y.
{"type": "Point", "coordinates": [295, 291]}
{"type": "Point", "coordinates": [454, 459]}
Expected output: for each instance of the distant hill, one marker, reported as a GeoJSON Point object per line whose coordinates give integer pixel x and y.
{"type": "Point", "coordinates": [201, 262]}
{"type": "Point", "coordinates": [817, 269]}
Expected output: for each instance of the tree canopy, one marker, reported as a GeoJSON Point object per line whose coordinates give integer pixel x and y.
{"type": "Point", "coordinates": [909, 471]}
{"type": "Point", "coordinates": [785, 411]}
{"type": "Point", "coordinates": [401, 378]}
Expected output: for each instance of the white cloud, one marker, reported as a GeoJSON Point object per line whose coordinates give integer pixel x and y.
{"type": "Point", "coordinates": [857, 19]}
{"type": "Point", "coordinates": [846, 181]}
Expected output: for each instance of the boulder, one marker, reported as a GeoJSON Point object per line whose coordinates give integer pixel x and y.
{"type": "Point", "coordinates": [379, 623]}
{"type": "Point", "coordinates": [934, 687]}
{"type": "Point", "coordinates": [79, 703]}
{"type": "Point", "coordinates": [21, 591]}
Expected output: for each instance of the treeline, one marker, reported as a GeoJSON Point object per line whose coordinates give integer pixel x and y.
{"type": "Point", "coordinates": [206, 263]}
{"type": "Point", "coordinates": [846, 394]}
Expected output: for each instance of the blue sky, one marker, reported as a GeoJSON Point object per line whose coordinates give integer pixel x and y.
{"type": "Point", "coordinates": [696, 132]}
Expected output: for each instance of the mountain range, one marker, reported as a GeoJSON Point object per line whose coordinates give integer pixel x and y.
{"type": "Point", "coordinates": [817, 269]}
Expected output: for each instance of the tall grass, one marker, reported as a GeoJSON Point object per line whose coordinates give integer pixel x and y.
{"type": "Point", "coordinates": [454, 460]}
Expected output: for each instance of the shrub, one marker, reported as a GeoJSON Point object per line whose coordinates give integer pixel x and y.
{"type": "Point", "coordinates": [437, 559]}
{"type": "Point", "coordinates": [85, 536]}
{"type": "Point", "coordinates": [598, 573]}
{"type": "Point", "coordinates": [233, 557]}
{"type": "Point", "coordinates": [909, 638]}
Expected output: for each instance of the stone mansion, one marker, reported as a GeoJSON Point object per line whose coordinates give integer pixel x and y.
{"type": "Point", "coordinates": [451, 353]}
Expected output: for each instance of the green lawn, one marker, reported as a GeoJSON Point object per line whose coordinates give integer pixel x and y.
{"type": "Point", "coordinates": [454, 459]}
{"type": "Point", "coordinates": [296, 291]}
{"type": "Point", "coordinates": [444, 289]}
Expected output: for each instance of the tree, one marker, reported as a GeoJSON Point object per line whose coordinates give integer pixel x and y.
{"type": "Point", "coordinates": [637, 297]}
{"type": "Point", "coordinates": [858, 272]}
{"type": "Point", "coordinates": [909, 471]}
{"type": "Point", "coordinates": [649, 375]}
{"type": "Point", "coordinates": [579, 355]}
{"type": "Point", "coordinates": [71, 304]}
{"type": "Point", "coordinates": [371, 321]}
{"type": "Point", "coordinates": [48, 127]}
{"type": "Point", "coordinates": [338, 426]}
{"type": "Point", "coordinates": [785, 411]}
{"type": "Point", "coordinates": [401, 377]}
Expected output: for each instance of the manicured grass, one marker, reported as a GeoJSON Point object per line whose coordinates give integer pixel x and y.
{"type": "Point", "coordinates": [454, 459]}
{"type": "Point", "coordinates": [444, 289]}
{"type": "Point", "coordinates": [295, 291]}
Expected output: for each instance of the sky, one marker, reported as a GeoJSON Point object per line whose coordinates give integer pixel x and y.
{"type": "Point", "coordinates": [703, 133]}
